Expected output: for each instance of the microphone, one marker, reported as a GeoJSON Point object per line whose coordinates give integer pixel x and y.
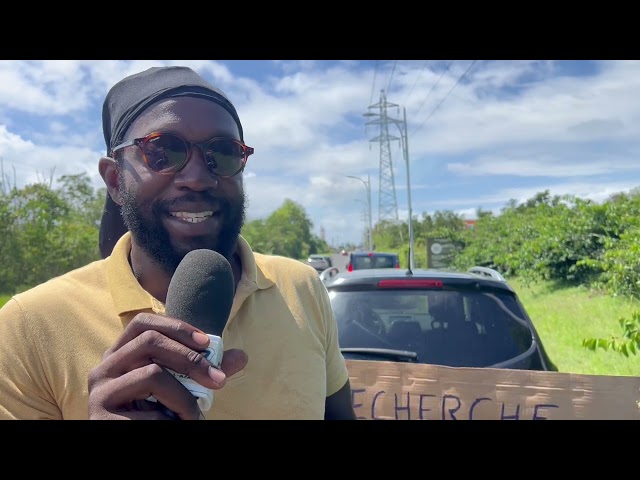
{"type": "Point", "coordinates": [201, 294]}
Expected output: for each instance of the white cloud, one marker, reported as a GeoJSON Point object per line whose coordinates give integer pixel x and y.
{"type": "Point", "coordinates": [553, 110]}
{"type": "Point", "coordinates": [544, 165]}
{"type": "Point", "coordinates": [501, 197]}
{"type": "Point", "coordinates": [509, 130]}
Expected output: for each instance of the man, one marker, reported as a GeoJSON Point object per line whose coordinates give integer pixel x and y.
{"type": "Point", "coordinates": [95, 343]}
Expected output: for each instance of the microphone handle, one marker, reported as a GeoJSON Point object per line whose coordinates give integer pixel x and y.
{"type": "Point", "coordinates": [169, 413]}
{"type": "Point", "coordinates": [213, 353]}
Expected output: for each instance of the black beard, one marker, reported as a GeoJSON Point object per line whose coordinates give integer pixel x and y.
{"type": "Point", "coordinates": [144, 220]}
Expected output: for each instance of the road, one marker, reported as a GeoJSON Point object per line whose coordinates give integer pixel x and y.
{"type": "Point", "coordinates": [340, 261]}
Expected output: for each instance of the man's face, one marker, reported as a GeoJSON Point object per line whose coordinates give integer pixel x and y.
{"type": "Point", "coordinates": [170, 215]}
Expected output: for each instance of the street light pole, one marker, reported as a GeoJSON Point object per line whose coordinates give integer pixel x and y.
{"type": "Point", "coordinates": [405, 150]}
{"type": "Point", "coordinates": [367, 185]}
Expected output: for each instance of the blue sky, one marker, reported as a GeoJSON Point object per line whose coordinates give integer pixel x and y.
{"type": "Point", "coordinates": [503, 130]}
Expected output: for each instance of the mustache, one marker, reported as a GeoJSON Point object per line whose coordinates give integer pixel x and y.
{"type": "Point", "coordinates": [192, 197]}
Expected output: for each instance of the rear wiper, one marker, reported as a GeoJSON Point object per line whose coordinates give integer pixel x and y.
{"type": "Point", "coordinates": [384, 352]}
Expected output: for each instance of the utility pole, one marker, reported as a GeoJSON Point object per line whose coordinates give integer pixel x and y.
{"type": "Point", "coordinates": [384, 120]}
{"type": "Point", "coordinates": [387, 201]}
{"type": "Point", "coordinates": [367, 185]}
{"type": "Point", "coordinates": [405, 151]}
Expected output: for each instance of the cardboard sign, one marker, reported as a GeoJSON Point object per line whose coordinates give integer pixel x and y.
{"type": "Point", "coordinates": [409, 391]}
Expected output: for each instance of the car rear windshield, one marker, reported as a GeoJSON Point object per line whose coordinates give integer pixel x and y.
{"type": "Point", "coordinates": [362, 262]}
{"type": "Point", "coordinates": [465, 328]}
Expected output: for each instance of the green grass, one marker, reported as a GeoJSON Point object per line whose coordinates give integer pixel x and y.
{"type": "Point", "coordinates": [4, 299]}
{"type": "Point", "coordinates": [564, 316]}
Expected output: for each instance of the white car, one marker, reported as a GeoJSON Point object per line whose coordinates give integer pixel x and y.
{"type": "Point", "coordinates": [319, 262]}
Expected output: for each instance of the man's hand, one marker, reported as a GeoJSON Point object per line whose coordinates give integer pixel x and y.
{"type": "Point", "coordinates": [134, 368]}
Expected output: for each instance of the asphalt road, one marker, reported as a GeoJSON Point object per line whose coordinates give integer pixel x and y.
{"type": "Point", "coordinates": [340, 261]}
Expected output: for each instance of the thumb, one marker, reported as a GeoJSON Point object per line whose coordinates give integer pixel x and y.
{"type": "Point", "coordinates": [233, 360]}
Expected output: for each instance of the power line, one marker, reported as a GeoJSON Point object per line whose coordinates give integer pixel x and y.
{"type": "Point", "coordinates": [416, 82]}
{"type": "Point", "coordinates": [373, 85]}
{"type": "Point", "coordinates": [393, 69]}
{"type": "Point", "coordinates": [446, 69]}
{"type": "Point", "coordinates": [445, 97]}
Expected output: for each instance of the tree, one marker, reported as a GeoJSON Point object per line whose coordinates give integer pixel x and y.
{"type": "Point", "coordinates": [286, 232]}
{"type": "Point", "coordinates": [46, 232]}
{"type": "Point", "coordinates": [629, 343]}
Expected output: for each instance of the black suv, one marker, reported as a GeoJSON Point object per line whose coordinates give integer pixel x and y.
{"type": "Point", "coordinates": [465, 319]}
{"type": "Point", "coordinates": [368, 260]}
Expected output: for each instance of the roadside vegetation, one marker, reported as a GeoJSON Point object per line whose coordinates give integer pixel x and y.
{"type": "Point", "coordinates": [565, 315]}
{"type": "Point", "coordinates": [574, 263]}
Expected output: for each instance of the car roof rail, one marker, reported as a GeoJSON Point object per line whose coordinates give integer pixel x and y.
{"type": "Point", "coordinates": [487, 272]}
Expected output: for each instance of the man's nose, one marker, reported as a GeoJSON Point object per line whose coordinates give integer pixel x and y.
{"type": "Point", "coordinates": [196, 174]}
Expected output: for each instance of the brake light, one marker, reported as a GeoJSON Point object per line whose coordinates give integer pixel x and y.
{"type": "Point", "coordinates": [410, 283]}
{"type": "Point", "coordinates": [350, 268]}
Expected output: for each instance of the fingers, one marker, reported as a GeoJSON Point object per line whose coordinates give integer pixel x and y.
{"type": "Point", "coordinates": [135, 368]}
{"type": "Point", "coordinates": [233, 361]}
{"type": "Point", "coordinates": [117, 397]}
{"type": "Point", "coordinates": [125, 396]}
{"type": "Point", "coordinates": [151, 347]}
{"type": "Point", "coordinates": [175, 329]}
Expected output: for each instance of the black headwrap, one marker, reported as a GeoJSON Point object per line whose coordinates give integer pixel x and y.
{"type": "Point", "coordinates": [126, 100]}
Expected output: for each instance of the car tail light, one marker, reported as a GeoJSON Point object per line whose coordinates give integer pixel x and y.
{"type": "Point", "coordinates": [350, 268]}
{"type": "Point", "coordinates": [410, 283]}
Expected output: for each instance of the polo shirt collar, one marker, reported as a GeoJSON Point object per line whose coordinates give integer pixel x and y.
{"type": "Point", "coordinates": [129, 296]}
{"type": "Point", "coordinates": [251, 271]}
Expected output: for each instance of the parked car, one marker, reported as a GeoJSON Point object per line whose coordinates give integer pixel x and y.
{"type": "Point", "coordinates": [456, 319]}
{"type": "Point", "coordinates": [368, 260]}
{"type": "Point", "coordinates": [319, 262]}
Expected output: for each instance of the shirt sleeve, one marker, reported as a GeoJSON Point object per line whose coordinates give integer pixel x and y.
{"type": "Point", "coordinates": [337, 374]}
{"type": "Point", "coordinates": [24, 391]}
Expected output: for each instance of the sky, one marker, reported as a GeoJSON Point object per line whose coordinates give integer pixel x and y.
{"type": "Point", "coordinates": [479, 132]}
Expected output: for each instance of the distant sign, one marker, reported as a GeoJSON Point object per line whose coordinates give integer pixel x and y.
{"type": "Point", "coordinates": [438, 251]}
{"type": "Point", "coordinates": [470, 224]}
{"type": "Point", "coordinates": [409, 391]}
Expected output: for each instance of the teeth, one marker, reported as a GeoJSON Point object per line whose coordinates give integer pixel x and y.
{"type": "Point", "coordinates": [196, 217]}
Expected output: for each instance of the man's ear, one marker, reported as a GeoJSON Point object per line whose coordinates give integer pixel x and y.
{"type": "Point", "coordinates": [108, 169]}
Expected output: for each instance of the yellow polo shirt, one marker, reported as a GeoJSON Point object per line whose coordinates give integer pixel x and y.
{"type": "Point", "coordinates": [52, 335]}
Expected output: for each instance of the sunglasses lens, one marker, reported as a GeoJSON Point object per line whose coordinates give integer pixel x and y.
{"type": "Point", "coordinates": [224, 157]}
{"type": "Point", "coordinates": [165, 153]}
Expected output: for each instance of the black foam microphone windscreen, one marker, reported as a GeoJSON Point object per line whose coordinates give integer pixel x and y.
{"type": "Point", "coordinates": [201, 294]}
{"type": "Point", "coordinates": [201, 291]}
